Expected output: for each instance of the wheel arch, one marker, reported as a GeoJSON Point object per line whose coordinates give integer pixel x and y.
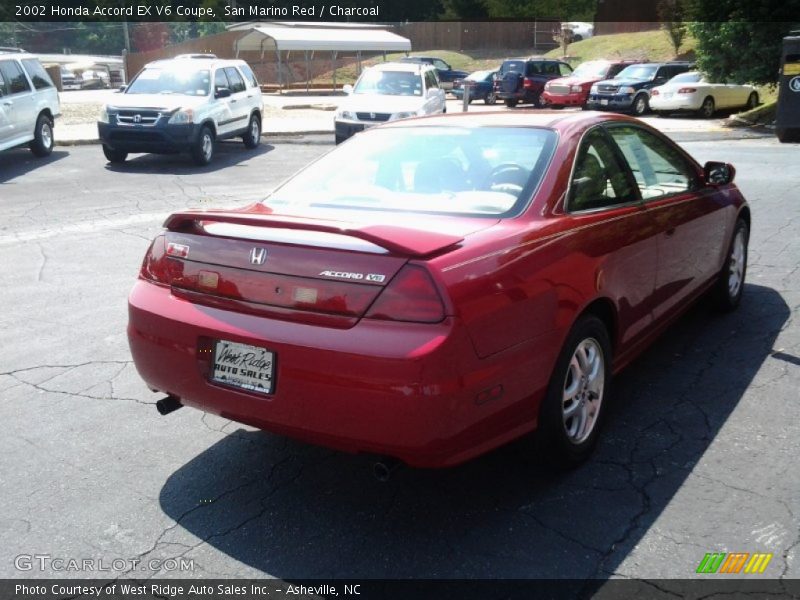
{"type": "Point", "coordinates": [47, 113]}
{"type": "Point", "coordinates": [744, 214]}
{"type": "Point", "coordinates": [605, 310]}
{"type": "Point", "coordinates": [209, 122]}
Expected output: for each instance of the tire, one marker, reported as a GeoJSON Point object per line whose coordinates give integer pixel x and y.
{"type": "Point", "coordinates": [511, 103]}
{"type": "Point", "coordinates": [252, 138]}
{"type": "Point", "coordinates": [727, 293]}
{"type": "Point", "coordinates": [569, 440]}
{"type": "Point", "coordinates": [490, 99]}
{"type": "Point", "coordinates": [537, 102]}
{"type": "Point", "coordinates": [114, 156]}
{"type": "Point", "coordinates": [661, 113]}
{"type": "Point", "coordinates": [707, 109]}
{"type": "Point", "coordinates": [43, 141]}
{"type": "Point", "coordinates": [203, 150]}
{"type": "Point", "coordinates": [640, 105]}
{"type": "Point", "coordinates": [752, 101]}
{"type": "Point", "coordinates": [788, 135]}
{"type": "Point", "coordinates": [339, 139]}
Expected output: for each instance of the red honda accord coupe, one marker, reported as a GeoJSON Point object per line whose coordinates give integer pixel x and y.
{"type": "Point", "coordinates": [437, 287]}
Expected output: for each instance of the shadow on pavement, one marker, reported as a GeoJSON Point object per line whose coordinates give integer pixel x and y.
{"type": "Point", "coordinates": [227, 154]}
{"type": "Point", "coordinates": [20, 161]}
{"type": "Point", "coordinates": [295, 511]}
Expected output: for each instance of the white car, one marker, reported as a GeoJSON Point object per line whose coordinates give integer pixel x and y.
{"type": "Point", "coordinates": [691, 92]}
{"type": "Point", "coordinates": [183, 104]}
{"type": "Point", "coordinates": [28, 104]}
{"type": "Point", "coordinates": [580, 30]}
{"type": "Point", "coordinates": [388, 92]}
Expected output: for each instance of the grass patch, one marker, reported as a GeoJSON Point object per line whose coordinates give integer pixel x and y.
{"type": "Point", "coordinates": [760, 115]}
{"type": "Point", "coordinates": [643, 45]}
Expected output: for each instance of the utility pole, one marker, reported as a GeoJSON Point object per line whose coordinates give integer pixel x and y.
{"type": "Point", "coordinates": [127, 36]}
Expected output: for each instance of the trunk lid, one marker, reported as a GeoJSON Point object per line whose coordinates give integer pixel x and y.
{"type": "Point", "coordinates": [309, 269]}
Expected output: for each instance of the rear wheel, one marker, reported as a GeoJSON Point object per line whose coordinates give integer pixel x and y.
{"type": "Point", "coordinates": [490, 98]}
{"type": "Point", "coordinates": [252, 138]}
{"type": "Point", "coordinates": [788, 135]}
{"type": "Point", "coordinates": [42, 144]}
{"type": "Point", "coordinates": [707, 109]}
{"type": "Point", "coordinates": [114, 156]}
{"type": "Point", "coordinates": [572, 410]}
{"type": "Point", "coordinates": [203, 150]}
{"type": "Point", "coordinates": [730, 285]}
{"type": "Point", "coordinates": [640, 105]}
{"type": "Point", "coordinates": [511, 103]}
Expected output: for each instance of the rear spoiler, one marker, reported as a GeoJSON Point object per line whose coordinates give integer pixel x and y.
{"type": "Point", "coordinates": [397, 240]}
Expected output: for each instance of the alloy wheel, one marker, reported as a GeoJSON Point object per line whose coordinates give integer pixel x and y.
{"type": "Point", "coordinates": [583, 390]}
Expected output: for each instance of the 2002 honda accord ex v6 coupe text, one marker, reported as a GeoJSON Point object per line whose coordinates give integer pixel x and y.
{"type": "Point", "coordinates": [436, 287]}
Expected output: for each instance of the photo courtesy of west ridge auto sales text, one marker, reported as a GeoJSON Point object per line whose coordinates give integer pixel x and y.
{"type": "Point", "coordinates": [399, 300]}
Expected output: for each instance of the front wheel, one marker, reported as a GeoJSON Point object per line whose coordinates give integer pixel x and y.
{"type": "Point", "coordinates": [571, 412]}
{"type": "Point", "coordinates": [730, 285]}
{"type": "Point", "coordinates": [114, 156]}
{"type": "Point", "coordinates": [511, 103]}
{"type": "Point", "coordinates": [42, 144]}
{"type": "Point", "coordinates": [203, 150]}
{"type": "Point", "coordinates": [252, 138]}
{"type": "Point", "coordinates": [490, 99]}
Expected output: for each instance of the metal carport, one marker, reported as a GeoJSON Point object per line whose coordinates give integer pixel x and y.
{"type": "Point", "coordinates": [308, 39]}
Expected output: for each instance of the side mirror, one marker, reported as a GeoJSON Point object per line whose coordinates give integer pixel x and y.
{"type": "Point", "coordinates": [347, 89]}
{"type": "Point", "coordinates": [122, 88]}
{"type": "Point", "coordinates": [222, 92]}
{"type": "Point", "coordinates": [718, 173]}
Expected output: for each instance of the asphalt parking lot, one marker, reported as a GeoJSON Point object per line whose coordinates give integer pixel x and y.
{"type": "Point", "coordinates": [699, 453]}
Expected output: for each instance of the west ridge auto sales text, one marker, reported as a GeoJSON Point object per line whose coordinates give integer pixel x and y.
{"type": "Point", "coordinates": [171, 590]}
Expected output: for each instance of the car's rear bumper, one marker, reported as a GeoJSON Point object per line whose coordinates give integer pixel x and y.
{"type": "Point", "coordinates": [677, 102]}
{"type": "Point", "coordinates": [161, 139]}
{"type": "Point", "coordinates": [417, 392]}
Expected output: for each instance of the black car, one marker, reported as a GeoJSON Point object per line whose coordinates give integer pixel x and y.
{"type": "Point", "coordinates": [630, 90]}
{"type": "Point", "coordinates": [447, 75]}
{"type": "Point", "coordinates": [522, 80]}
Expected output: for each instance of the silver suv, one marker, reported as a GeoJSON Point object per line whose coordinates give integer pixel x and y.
{"type": "Point", "coordinates": [184, 104]}
{"type": "Point", "coordinates": [28, 104]}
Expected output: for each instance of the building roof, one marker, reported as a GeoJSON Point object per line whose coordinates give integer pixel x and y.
{"type": "Point", "coordinates": [271, 38]}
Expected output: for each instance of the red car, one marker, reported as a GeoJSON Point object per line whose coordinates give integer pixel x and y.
{"type": "Point", "coordinates": [574, 89]}
{"type": "Point", "coordinates": [436, 287]}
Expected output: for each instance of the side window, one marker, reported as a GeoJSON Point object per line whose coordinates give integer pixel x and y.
{"type": "Point", "coordinates": [3, 90]}
{"type": "Point", "coordinates": [564, 69]}
{"type": "Point", "coordinates": [440, 64]}
{"type": "Point", "coordinates": [220, 80]}
{"type": "Point", "coordinates": [664, 74]}
{"type": "Point", "coordinates": [17, 83]}
{"type": "Point", "coordinates": [614, 70]}
{"type": "Point", "coordinates": [236, 81]}
{"type": "Point", "coordinates": [659, 168]}
{"type": "Point", "coordinates": [532, 69]}
{"type": "Point", "coordinates": [249, 75]}
{"type": "Point", "coordinates": [36, 72]}
{"type": "Point", "coordinates": [598, 179]}
{"type": "Point", "coordinates": [431, 81]}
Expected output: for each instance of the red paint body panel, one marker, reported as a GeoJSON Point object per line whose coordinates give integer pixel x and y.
{"type": "Point", "coordinates": [510, 291]}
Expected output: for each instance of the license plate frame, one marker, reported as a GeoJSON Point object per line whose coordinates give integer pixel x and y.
{"type": "Point", "coordinates": [243, 367]}
{"type": "Point", "coordinates": [604, 102]}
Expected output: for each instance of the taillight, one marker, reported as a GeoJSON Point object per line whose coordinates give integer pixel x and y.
{"type": "Point", "coordinates": [655, 93]}
{"type": "Point", "coordinates": [527, 83]}
{"type": "Point", "coordinates": [157, 266]}
{"type": "Point", "coordinates": [410, 296]}
{"type": "Point", "coordinates": [687, 90]}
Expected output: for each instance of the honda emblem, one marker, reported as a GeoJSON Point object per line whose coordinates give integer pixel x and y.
{"type": "Point", "coordinates": [137, 118]}
{"type": "Point", "coordinates": [372, 115]}
{"type": "Point", "coordinates": [258, 256]}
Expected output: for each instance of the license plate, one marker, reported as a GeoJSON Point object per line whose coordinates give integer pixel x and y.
{"type": "Point", "coordinates": [243, 366]}
{"type": "Point", "coordinates": [667, 96]}
{"type": "Point", "coordinates": [604, 102]}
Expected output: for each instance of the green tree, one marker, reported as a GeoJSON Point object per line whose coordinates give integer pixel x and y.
{"type": "Point", "coordinates": [739, 41]}
{"type": "Point", "coordinates": [565, 10]}
{"type": "Point", "coordinates": [671, 14]}
{"type": "Point", "coordinates": [464, 9]}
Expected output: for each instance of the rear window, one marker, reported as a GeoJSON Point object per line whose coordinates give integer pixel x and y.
{"type": "Point", "coordinates": [38, 75]}
{"type": "Point", "coordinates": [517, 66]}
{"type": "Point", "coordinates": [477, 171]}
{"type": "Point", "coordinates": [249, 75]}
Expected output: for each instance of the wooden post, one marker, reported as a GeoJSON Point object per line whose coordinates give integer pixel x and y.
{"type": "Point", "coordinates": [280, 76]}
{"type": "Point", "coordinates": [333, 58]}
{"type": "Point", "coordinates": [308, 74]}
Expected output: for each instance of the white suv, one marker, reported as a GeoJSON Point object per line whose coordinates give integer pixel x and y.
{"type": "Point", "coordinates": [183, 104]}
{"type": "Point", "coordinates": [387, 92]}
{"type": "Point", "coordinates": [28, 104]}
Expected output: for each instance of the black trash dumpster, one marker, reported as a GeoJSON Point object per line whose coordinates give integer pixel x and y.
{"type": "Point", "coordinates": [787, 121]}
